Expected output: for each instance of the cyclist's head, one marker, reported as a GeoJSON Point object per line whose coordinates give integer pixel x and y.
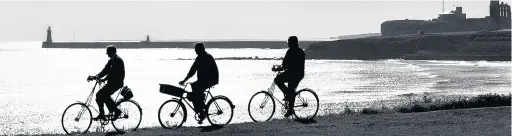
{"type": "Point", "coordinates": [111, 50]}
{"type": "Point", "coordinates": [200, 49]}
{"type": "Point", "coordinates": [293, 41]}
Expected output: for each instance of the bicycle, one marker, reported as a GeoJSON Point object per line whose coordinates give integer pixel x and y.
{"type": "Point", "coordinates": [80, 113]}
{"type": "Point", "coordinates": [267, 105]}
{"type": "Point", "coordinates": [173, 113]}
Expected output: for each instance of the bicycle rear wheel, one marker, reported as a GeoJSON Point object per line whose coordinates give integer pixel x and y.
{"type": "Point", "coordinates": [172, 114]}
{"type": "Point", "coordinates": [76, 119]}
{"type": "Point", "coordinates": [306, 104]}
{"type": "Point", "coordinates": [261, 106]}
{"type": "Point", "coordinates": [219, 110]}
{"type": "Point", "coordinates": [131, 116]}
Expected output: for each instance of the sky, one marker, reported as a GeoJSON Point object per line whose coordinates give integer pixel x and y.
{"type": "Point", "coordinates": [174, 20]}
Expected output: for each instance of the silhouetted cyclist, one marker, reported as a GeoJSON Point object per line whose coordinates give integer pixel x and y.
{"type": "Point", "coordinates": [207, 76]}
{"type": "Point", "coordinates": [114, 70]}
{"type": "Point", "coordinates": [293, 66]}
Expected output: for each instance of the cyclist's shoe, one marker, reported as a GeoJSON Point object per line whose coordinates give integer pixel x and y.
{"type": "Point", "coordinates": [117, 113]}
{"type": "Point", "coordinates": [99, 117]}
{"type": "Point", "coordinates": [288, 113]}
{"type": "Point", "coordinates": [201, 118]}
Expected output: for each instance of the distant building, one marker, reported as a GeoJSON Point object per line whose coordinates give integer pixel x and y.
{"type": "Point", "coordinates": [453, 16]}
{"type": "Point", "coordinates": [452, 21]}
{"type": "Point", "coordinates": [499, 12]}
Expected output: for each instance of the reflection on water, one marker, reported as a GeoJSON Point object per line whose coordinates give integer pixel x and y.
{"type": "Point", "coordinates": [36, 85]}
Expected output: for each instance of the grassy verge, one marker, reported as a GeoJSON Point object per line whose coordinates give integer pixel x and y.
{"type": "Point", "coordinates": [428, 104]}
{"type": "Point", "coordinates": [475, 121]}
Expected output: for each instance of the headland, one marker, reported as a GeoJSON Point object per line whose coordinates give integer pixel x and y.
{"type": "Point", "coordinates": [451, 36]}
{"type": "Point", "coordinates": [452, 21]}
{"type": "Point", "coordinates": [482, 45]}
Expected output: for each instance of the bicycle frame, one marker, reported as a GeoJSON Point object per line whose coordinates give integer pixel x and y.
{"type": "Point", "coordinates": [271, 89]}
{"type": "Point", "coordinates": [88, 101]}
{"type": "Point", "coordinates": [297, 98]}
{"type": "Point", "coordinates": [190, 105]}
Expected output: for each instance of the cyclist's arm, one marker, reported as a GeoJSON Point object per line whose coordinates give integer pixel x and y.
{"type": "Point", "coordinates": [286, 60]}
{"type": "Point", "coordinates": [105, 69]}
{"type": "Point", "coordinates": [193, 70]}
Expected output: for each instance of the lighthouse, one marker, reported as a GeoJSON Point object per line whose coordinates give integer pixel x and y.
{"type": "Point", "coordinates": [49, 40]}
{"type": "Point", "coordinates": [49, 35]}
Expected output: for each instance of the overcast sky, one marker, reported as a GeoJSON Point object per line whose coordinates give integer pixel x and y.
{"type": "Point", "coordinates": [171, 20]}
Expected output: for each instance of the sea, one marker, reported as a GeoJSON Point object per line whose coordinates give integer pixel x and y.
{"type": "Point", "coordinates": [36, 84]}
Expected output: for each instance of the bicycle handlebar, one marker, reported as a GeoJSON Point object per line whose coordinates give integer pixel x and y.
{"type": "Point", "coordinates": [186, 84]}
{"type": "Point", "coordinates": [277, 68]}
{"type": "Point", "coordinates": [91, 78]}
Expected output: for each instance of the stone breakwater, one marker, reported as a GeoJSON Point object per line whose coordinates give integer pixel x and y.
{"type": "Point", "coordinates": [176, 44]}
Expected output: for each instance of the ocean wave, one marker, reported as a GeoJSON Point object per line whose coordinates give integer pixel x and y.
{"type": "Point", "coordinates": [472, 63]}
{"type": "Point", "coordinates": [443, 81]}
{"type": "Point", "coordinates": [426, 75]}
{"type": "Point", "coordinates": [493, 63]}
{"type": "Point", "coordinates": [351, 60]}
{"type": "Point", "coordinates": [393, 60]}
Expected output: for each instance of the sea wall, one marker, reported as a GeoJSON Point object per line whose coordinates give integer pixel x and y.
{"type": "Point", "coordinates": [460, 46]}
{"type": "Point", "coordinates": [177, 44]}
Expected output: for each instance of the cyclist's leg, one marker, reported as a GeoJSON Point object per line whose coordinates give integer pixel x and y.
{"type": "Point", "coordinates": [292, 85]}
{"type": "Point", "coordinates": [291, 93]}
{"type": "Point", "coordinates": [280, 80]}
{"type": "Point", "coordinates": [100, 100]}
{"type": "Point", "coordinates": [111, 105]}
{"type": "Point", "coordinates": [198, 96]}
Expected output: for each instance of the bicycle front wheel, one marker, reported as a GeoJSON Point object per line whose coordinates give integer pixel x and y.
{"type": "Point", "coordinates": [172, 114]}
{"type": "Point", "coordinates": [219, 110]}
{"type": "Point", "coordinates": [76, 119]}
{"type": "Point", "coordinates": [261, 106]}
{"type": "Point", "coordinates": [306, 104]}
{"type": "Point", "coordinates": [131, 116]}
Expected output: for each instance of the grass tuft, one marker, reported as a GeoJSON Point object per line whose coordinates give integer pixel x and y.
{"type": "Point", "coordinates": [426, 104]}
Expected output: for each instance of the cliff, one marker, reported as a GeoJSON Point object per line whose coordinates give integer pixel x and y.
{"type": "Point", "coordinates": [494, 45]}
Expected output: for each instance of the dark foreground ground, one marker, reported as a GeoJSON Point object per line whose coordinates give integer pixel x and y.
{"type": "Point", "coordinates": [477, 121]}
